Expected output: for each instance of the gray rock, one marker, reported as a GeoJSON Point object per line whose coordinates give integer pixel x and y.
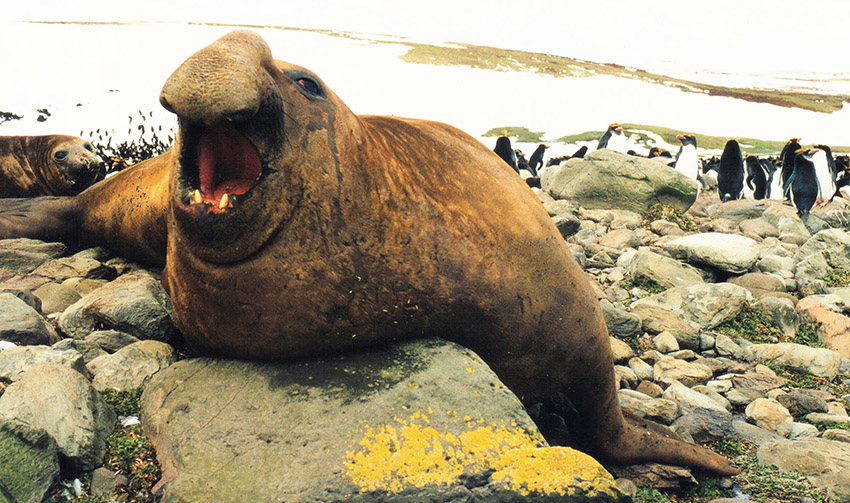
{"type": "Point", "coordinates": [828, 419]}
{"type": "Point", "coordinates": [110, 340]}
{"type": "Point", "coordinates": [781, 311]}
{"type": "Point", "coordinates": [625, 376]}
{"type": "Point", "coordinates": [842, 293]}
{"type": "Point", "coordinates": [802, 430]}
{"type": "Point", "coordinates": [584, 237]}
{"type": "Point", "coordinates": [63, 403]}
{"type": "Point", "coordinates": [21, 324]}
{"type": "Point", "coordinates": [88, 350]}
{"type": "Point", "coordinates": [132, 366]}
{"type": "Point", "coordinates": [727, 252]}
{"type": "Point", "coordinates": [758, 227]}
{"type": "Point", "coordinates": [771, 415]}
{"type": "Point", "coordinates": [743, 397]}
{"type": "Point", "coordinates": [826, 464]}
{"type": "Point", "coordinates": [98, 253]}
{"type": "Point", "coordinates": [656, 475]}
{"type": "Point", "coordinates": [707, 305]}
{"type": "Point", "coordinates": [725, 346]}
{"type": "Point", "coordinates": [665, 342]}
{"type": "Point", "coordinates": [335, 420]}
{"type": "Point", "coordinates": [665, 228]}
{"type": "Point", "coordinates": [837, 435]}
{"type": "Point", "coordinates": [600, 260]}
{"type": "Point", "coordinates": [52, 250]}
{"type": "Point", "coordinates": [800, 402]}
{"type": "Point", "coordinates": [738, 210]}
{"type": "Point", "coordinates": [650, 389]}
{"type": "Point", "coordinates": [665, 271]}
{"type": "Point", "coordinates": [702, 425]}
{"type": "Point", "coordinates": [656, 318]}
{"type": "Point", "coordinates": [816, 361]}
{"type": "Point", "coordinates": [567, 225]}
{"type": "Point", "coordinates": [620, 239]}
{"type": "Point", "coordinates": [134, 303]}
{"type": "Point", "coordinates": [21, 261]}
{"type": "Point", "coordinates": [55, 298]}
{"type": "Point", "coordinates": [29, 462]}
{"type": "Point", "coordinates": [672, 370]}
{"type": "Point", "coordinates": [759, 283]}
{"type": "Point", "coordinates": [707, 341]}
{"type": "Point", "coordinates": [690, 401]}
{"type": "Point", "coordinates": [786, 220]}
{"type": "Point", "coordinates": [609, 179]}
{"type": "Point", "coordinates": [710, 393]}
{"type": "Point", "coordinates": [642, 370]}
{"type": "Point", "coordinates": [775, 264]}
{"type": "Point", "coordinates": [607, 217]}
{"type": "Point", "coordinates": [620, 322]}
{"type": "Point", "coordinates": [561, 207]}
{"type": "Point", "coordinates": [832, 244]}
{"type": "Point", "coordinates": [752, 433]}
{"type": "Point", "coordinates": [833, 329]}
{"type": "Point", "coordinates": [655, 409]}
{"type": "Point", "coordinates": [104, 481]}
{"type": "Point", "coordinates": [15, 362]}
{"type": "Point", "coordinates": [63, 268]}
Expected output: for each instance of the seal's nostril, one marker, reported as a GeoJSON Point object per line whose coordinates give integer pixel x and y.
{"type": "Point", "coordinates": [165, 104]}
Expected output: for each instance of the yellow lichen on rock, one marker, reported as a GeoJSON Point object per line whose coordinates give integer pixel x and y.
{"type": "Point", "coordinates": [413, 454]}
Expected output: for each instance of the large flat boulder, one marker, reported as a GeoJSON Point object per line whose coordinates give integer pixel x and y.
{"type": "Point", "coordinates": [608, 179]}
{"type": "Point", "coordinates": [421, 421]}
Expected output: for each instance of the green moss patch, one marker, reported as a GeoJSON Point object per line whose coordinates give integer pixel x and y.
{"type": "Point", "coordinates": [659, 211]}
{"type": "Point", "coordinates": [807, 335]}
{"type": "Point", "coordinates": [752, 326]}
{"type": "Point", "coordinates": [125, 403]}
{"type": "Point", "coordinates": [768, 483]}
{"type": "Point", "coordinates": [837, 278]}
{"type": "Point", "coordinates": [129, 452]}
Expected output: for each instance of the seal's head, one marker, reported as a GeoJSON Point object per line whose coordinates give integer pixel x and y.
{"type": "Point", "coordinates": [69, 165]}
{"type": "Point", "coordinates": [244, 121]}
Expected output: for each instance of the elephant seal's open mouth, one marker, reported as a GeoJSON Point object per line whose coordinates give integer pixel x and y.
{"type": "Point", "coordinates": [218, 165]}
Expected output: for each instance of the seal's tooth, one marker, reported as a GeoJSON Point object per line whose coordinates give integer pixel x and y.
{"type": "Point", "coordinates": [198, 198]}
{"type": "Point", "coordinates": [223, 203]}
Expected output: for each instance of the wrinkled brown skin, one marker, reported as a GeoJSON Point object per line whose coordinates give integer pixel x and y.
{"type": "Point", "coordinates": [367, 230]}
{"type": "Point", "coordinates": [28, 167]}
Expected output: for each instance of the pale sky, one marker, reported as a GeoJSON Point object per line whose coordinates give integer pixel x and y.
{"type": "Point", "coordinates": [745, 36]}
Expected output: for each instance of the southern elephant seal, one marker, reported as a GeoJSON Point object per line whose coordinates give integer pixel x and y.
{"type": "Point", "coordinates": [291, 227]}
{"type": "Point", "coordinates": [48, 165]}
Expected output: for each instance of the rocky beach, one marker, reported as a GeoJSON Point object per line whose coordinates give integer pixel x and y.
{"type": "Point", "coordinates": [729, 323]}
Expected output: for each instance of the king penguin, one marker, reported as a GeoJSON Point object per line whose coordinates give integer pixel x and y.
{"type": "Point", "coordinates": [757, 183]}
{"type": "Point", "coordinates": [613, 139]}
{"type": "Point", "coordinates": [503, 149]}
{"type": "Point", "coordinates": [687, 161]}
{"type": "Point", "coordinates": [833, 167]}
{"type": "Point", "coordinates": [730, 174]}
{"type": "Point", "coordinates": [825, 173]}
{"type": "Point", "coordinates": [786, 160]}
{"type": "Point", "coordinates": [536, 160]}
{"type": "Point", "coordinates": [803, 184]}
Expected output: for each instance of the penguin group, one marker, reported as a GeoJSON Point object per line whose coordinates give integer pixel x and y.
{"type": "Point", "coordinates": [807, 177]}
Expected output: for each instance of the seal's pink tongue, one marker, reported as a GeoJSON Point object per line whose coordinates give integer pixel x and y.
{"type": "Point", "coordinates": [227, 163]}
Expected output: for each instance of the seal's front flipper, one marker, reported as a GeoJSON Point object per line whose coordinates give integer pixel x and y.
{"type": "Point", "coordinates": [44, 218]}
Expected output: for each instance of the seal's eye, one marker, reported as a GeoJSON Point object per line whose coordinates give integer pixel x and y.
{"type": "Point", "coordinates": [60, 155]}
{"type": "Point", "coordinates": [88, 147]}
{"type": "Point", "coordinates": [309, 85]}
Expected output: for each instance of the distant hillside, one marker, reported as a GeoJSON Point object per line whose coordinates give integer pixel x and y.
{"type": "Point", "coordinates": [707, 142]}
{"type": "Point", "coordinates": [492, 58]}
